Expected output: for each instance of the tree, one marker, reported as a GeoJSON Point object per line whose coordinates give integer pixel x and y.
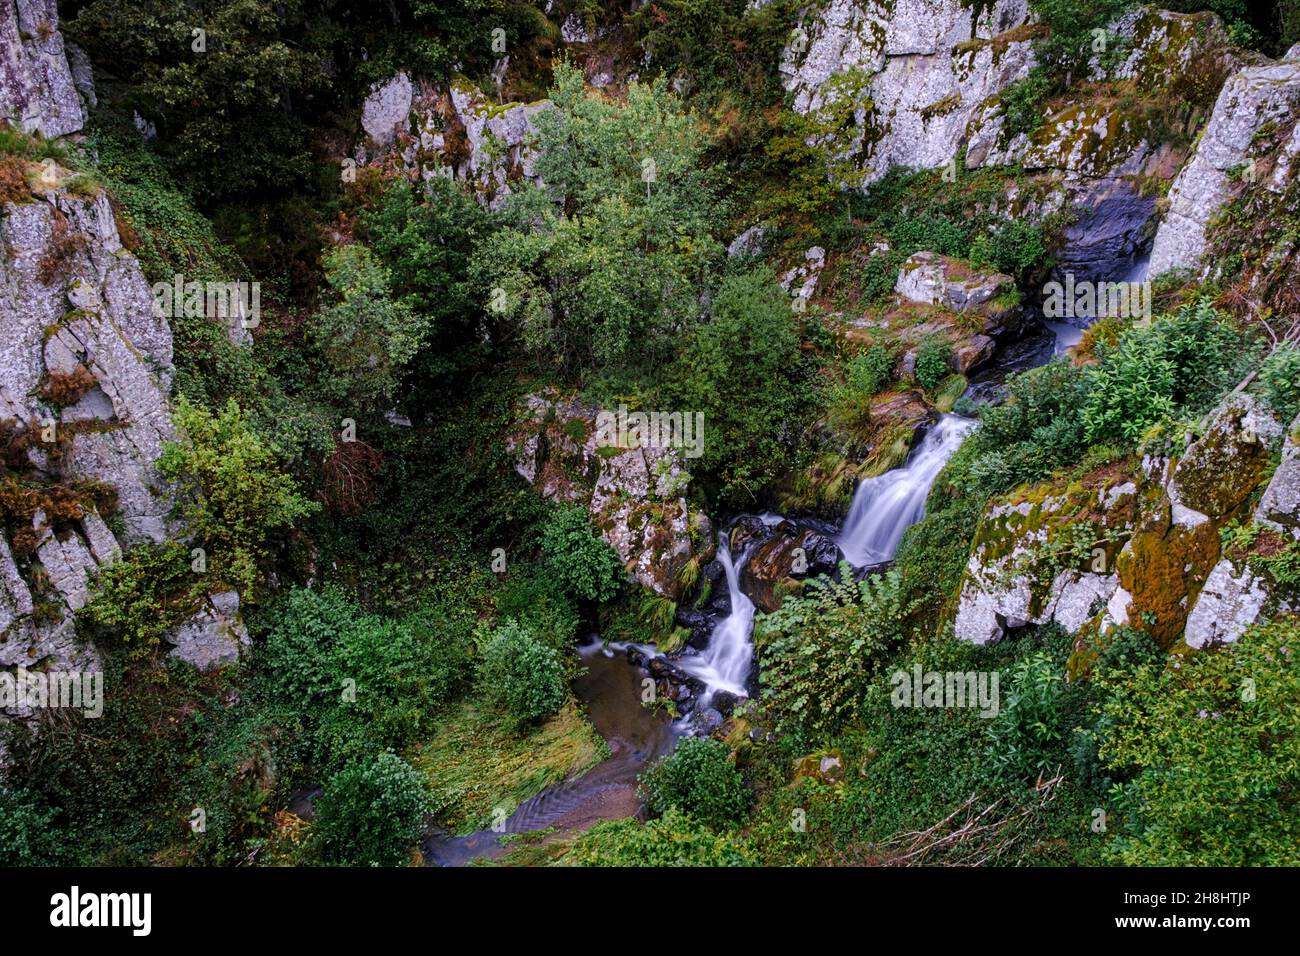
{"type": "Point", "coordinates": [604, 265]}
{"type": "Point", "coordinates": [427, 243]}
{"type": "Point", "coordinates": [367, 336]}
{"type": "Point", "coordinates": [743, 369]}
{"type": "Point", "coordinates": [231, 494]}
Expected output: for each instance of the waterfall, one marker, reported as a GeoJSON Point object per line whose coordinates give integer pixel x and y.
{"type": "Point", "coordinates": [724, 665]}
{"type": "Point", "coordinates": [887, 505]}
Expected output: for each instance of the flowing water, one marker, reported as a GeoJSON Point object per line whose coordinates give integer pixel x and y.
{"type": "Point", "coordinates": [887, 505]}
{"type": "Point", "coordinates": [883, 508]}
{"type": "Point", "coordinates": [724, 664]}
{"type": "Point", "coordinates": [611, 690]}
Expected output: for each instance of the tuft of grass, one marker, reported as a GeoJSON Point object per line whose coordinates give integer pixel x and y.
{"type": "Point", "coordinates": [477, 762]}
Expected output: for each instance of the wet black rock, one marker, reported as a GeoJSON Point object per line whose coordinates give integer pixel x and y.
{"type": "Point", "coordinates": [724, 702]}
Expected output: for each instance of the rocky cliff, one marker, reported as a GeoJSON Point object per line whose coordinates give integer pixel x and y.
{"type": "Point", "coordinates": [85, 371]}
{"type": "Point", "coordinates": [1142, 543]}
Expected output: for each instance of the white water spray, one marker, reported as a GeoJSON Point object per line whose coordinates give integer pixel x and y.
{"type": "Point", "coordinates": [887, 505]}
{"type": "Point", "coordinates": [724, 665]}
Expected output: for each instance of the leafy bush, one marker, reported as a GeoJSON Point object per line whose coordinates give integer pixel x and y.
{"type": "Point", "coordinates": [879, 276]}
{"type": "Point", "coordinates": [698, 779]}
{"type": "Point", "coordinates": [604, 266]}
{"type": "Point", "coordinates": [521, 675]}
{"type": "Point", "coordinates": [136, 599]}
{"type": "Point", "coordinates": [865, 375]}
{"type": "Point", "coordinates": [929, 232]}
{"type": "Point", "coordinates": [819, 650]}
{"type": "Point", "coordinates": [1022, 102]}
{"type": "Point", "coordinates": [1279, 382]}
{"type": "Point", "coordinates": [359, 683]}
{"type": "Point", "coordinates": [232, 494]}
{"type": "Point", "coordinates": [1030, 731]}
{"type": "Point", "coordinates": [584, 566]}
{"type": "Point", "coordinates": [1210, 749]}
{"type": "Point", "coordinates": [1013, 248]}
{"type": "Point", "coordinates": [28, 835]}
{"type": "Point", "coordinates": [673, 839]}
{"type": "Point", "coordinates": [370, 813]}
{"type": "Point", "coordinates": [871, 371]}
{"type": "Point", "coordinates": [428, 241]}
{"type": "Point", "coordinates": [932, 363]}
{"type": "Point", "coordinates": [1181, 362]}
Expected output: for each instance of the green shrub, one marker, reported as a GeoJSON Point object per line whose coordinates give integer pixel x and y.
{"type": "Point", "coordinates": [366, 335]}
{"type": "Point", "coordinates": [520, 674]}
{"type": "Point", "coordinates": [1209, 748]}
{"type": "Point", "coordinates": [879, 276]}
{"type": "Point", "coordinates": [28, 835]}
{"type": "Point", "coordinates": [1022, 102]}
{"type": "Point", "coordinates": [819, 651]}
{"type": "Point", "coordinates": [698, 779]}
{"type": "Point", "coordinates": [1182, 362]}
{"type": "Point", "coordinates": [358, 683]}
{"type": "Point", "coordinates": [930, 233]}
{"type": "Point", "coordinates": [1013, 248]}
{"type": "Point", "coordinates": [1031, 729]}
{"type": "Point", "coordinates": [871, 371]}
{"type": "Point", "coordinates": [136, 599]}
{"type": "Point", "coordinates": [584, 565]}
{"type": "Point", "coordinates": [673, 839]}
{"type": "Point", "coordinates": [370, 813]}
{"type": "Point", "coordinates": [932, 362]}
{"type": "Point", "coordinates": [1279, 382]}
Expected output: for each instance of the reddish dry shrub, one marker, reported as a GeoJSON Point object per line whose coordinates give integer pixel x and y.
{"type": "Point", "coordinates": [13, 181]}
{"type": "Point", "coordinates": [350, 476]}
{"type": "Point", "coordinates": [130, 238]}
{"type": "Point", "coordinates": [62, 389]}
{"type": "Point", "coordinates": [64, 245]}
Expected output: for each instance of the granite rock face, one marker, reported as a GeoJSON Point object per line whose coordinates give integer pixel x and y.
{"type": "Point", "coordinates": [38, 91]}
{"type": "Point", "coordinates": [214, 636]}
{"type": "Point", "coordinates": [1252, 98]}
{"type": "Point", "coordinates": [917, 71]}
{"type": "Point", "coordinates": [636, 495]}
{"type": "Point", "coordinates": [1090, 154]}
{"type": "Point", "coordinates": [1140, 550]}
{"type": "Point", "coordinates": [429, 130]}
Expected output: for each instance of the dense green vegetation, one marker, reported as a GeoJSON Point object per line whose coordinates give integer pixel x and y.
{"type": "Point", "coordinates": [351, 468]}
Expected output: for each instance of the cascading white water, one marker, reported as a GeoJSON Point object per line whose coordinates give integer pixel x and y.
{"type": "Point", "coordinates": [724, 665]}
{"type": "Point", "coordinates": [887, 505]}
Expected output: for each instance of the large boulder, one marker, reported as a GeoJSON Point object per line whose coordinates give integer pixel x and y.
{"type": "Point", "coordinates": [213, 636]}
{"type": "Point", "coordinates": [635, 495]}
{"type": "Point", "coordinates": [794, 551]}
{"type": "Point", "coordinates": [1139, 549]}
{"type": "Point", "coordinates": [1243, 588]}
{"type": "Point", "coordinates": [939, 280]}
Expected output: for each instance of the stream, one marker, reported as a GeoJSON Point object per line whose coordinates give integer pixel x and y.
{"type": "Point", "coordinates": [709, 679]}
